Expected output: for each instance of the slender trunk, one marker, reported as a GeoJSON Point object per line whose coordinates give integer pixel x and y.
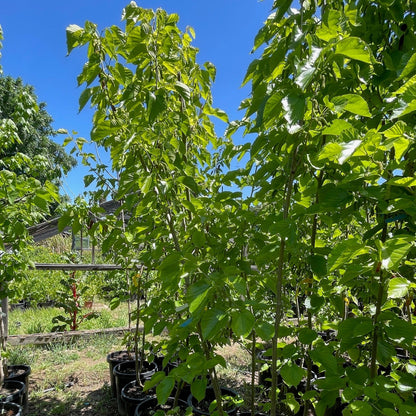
{"type": "Point", "coordinates": [380, 296]}
{"type": "Point", "coordinates": [253, 374]}
{"type": "Point", "coordinates": [3, 362]}
{"type": "Point", "coordinates": [214, 379]}
{"type": "Point", "coordinates": [278, 312]}
{"type": "Point", "coordinates": [139, 358]}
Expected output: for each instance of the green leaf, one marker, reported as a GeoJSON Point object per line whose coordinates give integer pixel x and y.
{"type": "Point", "coordinates": [73, 36]}
{"type": "Point", "coordinates": [394, 250]}
{"type": "Point", "coordinates": [157, 104]}
{"type": "Point", "coordinates": [344, 252]}
{"type": "Point", "coordinates": [337, 127]}
{"type": "Point", "coordinates": [198, 388]}
{"type": "Point", "coordinates": [189, 182]}
{"type": "Point", "coordinates": [354, 48]}
{"type": "Point", "coordinates": [409, 68]}
{"type": "Point", "coordinates": [353, 330]}
{"type": "Point", "coordinates": [307, 336]}
{"type": "Point", "coordinates": [197, 294]}
{"type": "Point", "coordinates": [294, 108]}
{"type": "Point", "coordinates": [170, 266]}
{"type": "Point", "coordinates": [402, 181]}
{"type": "Point", "coordinates": [242, 322]}
{"type": "Point", "coordinates": [264, 330]}
{"type": "Point", "coordinates": [156, 378]}
{"type": "Point", "coordinates": [360, 408]}
{"type": "Point", "coordinates": [385, 352]}
{"type": "Point", "coordinates": [164, 389]}
{"type": "Point", "coordinates": [400, 332]}
{"type": "Point", "coordinates": [406, 382]}
{"type": "Point", "coordinates": [353, 103]}
{"type": "Point", "coordinates": [398, 287]}
{"type": "Point", "coordinates": [307, 70]}
{"type": "Point", "coordinates": [212, 322]}
{"type": "Point", "coordinates": [292, 374]}
{"type": "Point", "coordinates": [318, 265]}
{"type": "Point", "coordinates": [183, 90]}
{"type": "Point", "coordinates": [323, 355]}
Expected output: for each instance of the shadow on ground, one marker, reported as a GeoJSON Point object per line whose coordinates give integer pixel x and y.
{"type": "Point", "coordinates": [94, 403]}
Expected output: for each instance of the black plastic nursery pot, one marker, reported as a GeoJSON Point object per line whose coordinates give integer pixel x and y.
{"type": "Point", "coordinates": [12, 391]}
{"type": "Point", "coordinates": [202, 407]}
{"type": "Point", "coordinates": [149, 406]}
{"type": "Point", "coordinates": [114, 358]}
{"type": "Point", "coordinates": [10, 409]}
{"type": "Point", "coordinates": [124, 373]}
{"type": "Point", "coordinates": [20, 373]}
{"type": "Point", "coordinates": [132, 395]}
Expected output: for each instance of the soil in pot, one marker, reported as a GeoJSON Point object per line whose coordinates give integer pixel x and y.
{"type": "Point", "coordinates": [132, 395]}
{"type": "Point", "coordinates": [203, 407]}
{"type": "Point", "coordinates": [10, 409]}
{"type": "Point", "coordinates": [124, 373]}
{"type": "Point", "coordinates": [150, 406]}
{"type": "Point", "coordinates": [114, 358]}
{"type": "Point", "coordinates": [20, 373]}
{"type": "Point", "coordinates": [12, 391]}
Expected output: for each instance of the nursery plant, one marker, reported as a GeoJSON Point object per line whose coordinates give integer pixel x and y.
{"type": "Point", "coordinates": [153, 115]}
{"type": "Point", "coordinates": [332, 105]}
{"type": "Point", "coordinates": [327, 228]}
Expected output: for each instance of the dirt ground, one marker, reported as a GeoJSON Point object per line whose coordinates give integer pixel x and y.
{"type": "Point", "coordinates": [85, 391]}
{"type": "Point", "coordinates": [82, 387]}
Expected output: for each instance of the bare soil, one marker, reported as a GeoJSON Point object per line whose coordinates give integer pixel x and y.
{"type": "Point", "coordinates": [85, 391]}
{"type": "Point", "coordinates": [82, 387]}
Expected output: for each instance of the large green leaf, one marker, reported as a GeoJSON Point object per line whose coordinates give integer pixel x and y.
{"type": "Point", "coordinates": [353, 103]}
{"type": "Point", "coordinates": [197, 294]}
{"type": "Point", "coordinates": [394, 250]}
{"type": "Point", "coordinates": [398, 287]}
{"type": "Point", "coordinates": [292, 374]}
{"type": "Point", "coordinates": [242, 322]}
{"type": "Point", "coordinates": [164, 389]}
{"type": "Point", "coordinates": [73, 36]}
{"type": "Point", "coordinates": [354, 48]}
{"type": "Point", "coordinates": [212, 322]}
{"type": "Point", "coordinates": [359, 408]}
{"type": "Point", "coordinates": [344, 252]}
{"type": "Point", "coordinates": [323, 355]}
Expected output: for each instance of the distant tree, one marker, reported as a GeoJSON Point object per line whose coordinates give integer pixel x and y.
{"type": "Point", "coordinates": [18, 102]}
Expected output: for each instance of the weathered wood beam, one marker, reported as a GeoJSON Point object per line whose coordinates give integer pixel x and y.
{"type": "Point", "coordinates": [48, 338]}
{"type": "Point", "coordinates": [81, 266]}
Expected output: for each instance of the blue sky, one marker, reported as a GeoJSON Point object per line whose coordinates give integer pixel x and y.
{"type": "Point", "coordinates": [34, 48]}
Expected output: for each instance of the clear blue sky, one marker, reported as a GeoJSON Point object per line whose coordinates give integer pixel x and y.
{"type": "Point", "coordinates": [34, 48]}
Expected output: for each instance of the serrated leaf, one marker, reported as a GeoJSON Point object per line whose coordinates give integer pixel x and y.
{"type": "Point", "coordinates": [307, 335]}
{"type": "Point", "coordinates": [189, 182]}
{"type": "Point", "coordinates": [183, 90]}
{"type": "Point", "coordinates": [394, 250]}
{"type": "Point", "coordinates": [354, 48]}
{"type": "Point", "coordinates": [73, 36]}
{"type": "Point", "coordinates": [353, 103]}
{"type": "Point", "coordinates": [318, 265]}
{"type": "Point", "coordinates": [398, 287]}
{"type": "Point", "coordinates": [360, 408]}
{"type": "Point", "coordinates": [198, 388]}
{"type": "Point", "coordinates": [292, 374]}
{"type": "Point", "coordinates": [242, 322]}
{"type": "Point", "coordinates": [344, 252]}
{"type": "Point", "coordinates": [212, 322]}
{"type": "Point", "coordinates": [197, 293]}
{"type": "Point", "coordinates": [402, 181]}
{"type": "Point", "coordinates": [164, 389]}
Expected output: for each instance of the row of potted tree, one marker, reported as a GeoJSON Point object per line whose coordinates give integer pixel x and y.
{"type": "Point", "coordinates": [320, 228]}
